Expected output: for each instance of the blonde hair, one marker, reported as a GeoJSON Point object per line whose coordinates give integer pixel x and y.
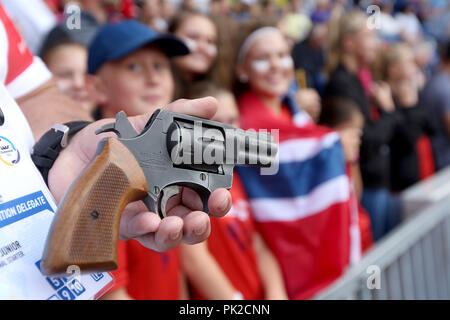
{"type": "Point", "coordinates": [394, 55]}
{"type": "Point", "coordinates": [347, 24]}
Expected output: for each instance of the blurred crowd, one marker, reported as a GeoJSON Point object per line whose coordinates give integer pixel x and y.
{"type": "Point", "coordinates": [359, 91]}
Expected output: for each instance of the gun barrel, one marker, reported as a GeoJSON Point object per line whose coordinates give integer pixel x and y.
{"type": "Point", "coordinates": [254, 148]}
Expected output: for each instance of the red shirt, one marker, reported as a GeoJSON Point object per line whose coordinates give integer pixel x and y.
{"type": "Point", "coordinates": [285, 114]}
{"type": "Point", "coordinates": [231, 244]}
{"type": "Point", "coordinates": [426, 158]}
{"type": "Point", "coordinates": [19, 57]}
{"type": "Point", "coordinates": [146, 274]}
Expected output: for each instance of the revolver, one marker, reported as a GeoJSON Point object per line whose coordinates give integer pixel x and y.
{"type": "Point", "coordinates": [173, 150]}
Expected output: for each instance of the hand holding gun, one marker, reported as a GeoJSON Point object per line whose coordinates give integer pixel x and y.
{"type": "Point", "coordinates": [173, 151]}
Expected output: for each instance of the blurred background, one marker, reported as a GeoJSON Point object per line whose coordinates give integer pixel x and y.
{"type": "Point", "coordinates": [360, 92]}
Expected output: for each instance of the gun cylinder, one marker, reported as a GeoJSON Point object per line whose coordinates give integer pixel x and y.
{"type": "Point", "coordinates": [192, 144]}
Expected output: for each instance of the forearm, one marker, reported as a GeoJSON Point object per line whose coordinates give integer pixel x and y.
{"type": "Point", "coordinates": [204, 273]}
{"type": "Point", "coordinates": [357, 179]}
{"type": "Point", "coordinates": [48, 105]}
{"type": "Point", "coordinates": [269, 271]}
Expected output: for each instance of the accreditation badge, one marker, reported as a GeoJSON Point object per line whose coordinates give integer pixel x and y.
{"type": "Point", "coordinates": [26, 211]}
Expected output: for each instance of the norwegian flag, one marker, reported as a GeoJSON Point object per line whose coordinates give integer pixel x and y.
{"type": "Point", "coordinates": [307, 211]}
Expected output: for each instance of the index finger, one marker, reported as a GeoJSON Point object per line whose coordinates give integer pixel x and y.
{"type": "Point", "coordinates": [203, 108]}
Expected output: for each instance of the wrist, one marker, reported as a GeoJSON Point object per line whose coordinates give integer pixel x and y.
{"type": "Point", "coordinates": [47, 149]}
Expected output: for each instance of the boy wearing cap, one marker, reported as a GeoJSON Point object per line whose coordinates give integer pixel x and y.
{"type": "Point", "coordinates": [130, 70]}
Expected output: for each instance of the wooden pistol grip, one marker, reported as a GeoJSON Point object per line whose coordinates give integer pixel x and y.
{"type": "Point", "coordinates": [85, 230]}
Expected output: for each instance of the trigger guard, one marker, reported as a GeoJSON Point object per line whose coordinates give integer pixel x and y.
{"type": "Point", "coordinates": [166, 194]}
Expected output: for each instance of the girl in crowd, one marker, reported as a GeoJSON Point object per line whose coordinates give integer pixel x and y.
{"type": "Point", "coordinates": [303, 208]}
{"type": "Point", "coordinates": [411, 153]}
{"type": "Point", "coordinates": [200, 34]}
{"type": "Point", "coordinates": [66, 58]}
{"type": "Point", "coordinates": [353, 49]}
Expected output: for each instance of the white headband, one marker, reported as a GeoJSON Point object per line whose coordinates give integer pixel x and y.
{"type": "Point", "coordinates": [251, 38]}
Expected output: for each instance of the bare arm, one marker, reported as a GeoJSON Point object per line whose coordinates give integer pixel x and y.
{"type": "Point", "coordinates": [47, 105]}
{"type": "Point", "coordinates": [357, 179]}
{"type": "Point", "coordinates": [270, 271]}
{"type": "Point", "coordinates": [204, 272]}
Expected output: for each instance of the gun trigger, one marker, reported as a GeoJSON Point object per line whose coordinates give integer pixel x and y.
{"type": "Point", "coordinates": [167, 193]}
{"type": "Point", "coordinates": [110, 127]}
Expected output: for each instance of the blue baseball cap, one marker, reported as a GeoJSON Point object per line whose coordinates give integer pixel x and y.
{"type": "Point", "coordinates": [115, 41]}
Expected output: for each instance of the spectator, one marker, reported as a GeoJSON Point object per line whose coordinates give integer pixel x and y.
{"type": "Point", "coordinates": [150, 13]}
{"type": "Point", "coordinates": [426, 59]}
{"type": "Point", "coordinates": [352, 51]}
{"type": "Point", "coordinates": [312, 242]}
{"type": "Point", "coordinates": [309, 58]}
{"type": "Point", "coordinates": [66, 58]}
{"type": "Point", "coordinates": [199, 33]}
{"type": "Point", "coordinates": [342, 114]}
{"type": "Point", "coordinates": [129, 82]}
{"type": "Point", "coordinates": [135, 76]}
{"type": "Point", "coordinates": [436, 99]}
{"type": "Point", "coordinates": [235, 262]}
{"type": "Point", "coordinates": [411, 153]}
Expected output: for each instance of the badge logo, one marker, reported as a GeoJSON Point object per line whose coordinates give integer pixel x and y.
{"type": "Point", "coordinates": [9, 155]}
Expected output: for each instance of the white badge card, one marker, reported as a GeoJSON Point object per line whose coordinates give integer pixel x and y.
{"type": "Point", "coordinates": [26, 211]}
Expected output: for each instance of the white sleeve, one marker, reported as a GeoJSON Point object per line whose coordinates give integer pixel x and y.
{"type": "Point", "coordinates": [33, 77]}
